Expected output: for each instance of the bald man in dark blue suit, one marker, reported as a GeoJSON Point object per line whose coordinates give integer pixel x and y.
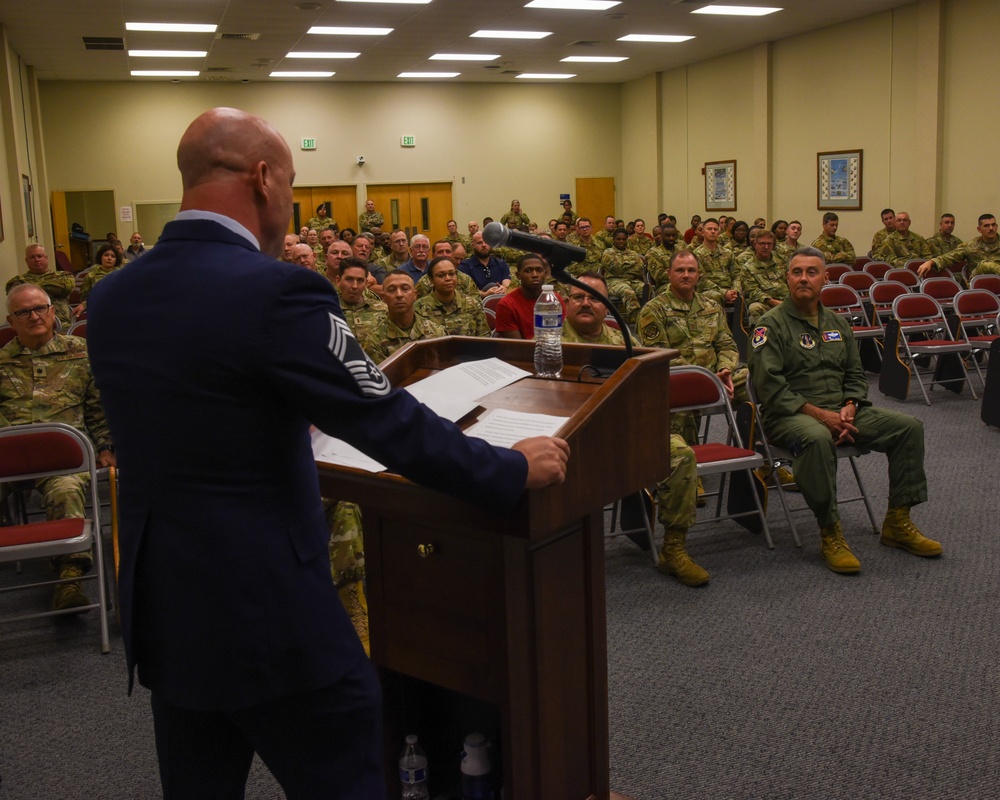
{"type": "Point", "coordinates": [213, 359]}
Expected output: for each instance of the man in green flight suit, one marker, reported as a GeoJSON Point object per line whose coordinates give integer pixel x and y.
{"type": "Point", "coordinates": [807, 372]}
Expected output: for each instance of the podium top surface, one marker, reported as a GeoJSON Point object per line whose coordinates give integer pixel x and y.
{"type": "Point", "coordinates": [618, 430]}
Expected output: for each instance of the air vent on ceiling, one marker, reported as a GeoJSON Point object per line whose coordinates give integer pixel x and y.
{"type": "Point", "coordinates": [584, 43]}
{"type": "Point", "coordinates": [511, 72]}
{"type": "Point", "coordinates": [243, 37]}
{"type": "Point", "coordinates": [219, 69]}
{"type": "Point", "coordinates": [103, 43]}
{"type": "Point", "coordinates": [204, 77]}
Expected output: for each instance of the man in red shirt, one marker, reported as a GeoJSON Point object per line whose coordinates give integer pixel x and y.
{"type": "Point", "coordinates": [516, 312]}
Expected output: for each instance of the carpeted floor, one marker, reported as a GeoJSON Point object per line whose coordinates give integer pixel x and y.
{"type": "Point", "coordinates": [779, 679]}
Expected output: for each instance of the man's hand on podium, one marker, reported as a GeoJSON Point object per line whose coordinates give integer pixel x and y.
{"type": "Point", "coordinates": [547, 457]}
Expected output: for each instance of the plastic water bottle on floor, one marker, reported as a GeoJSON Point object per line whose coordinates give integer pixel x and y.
{"type": "Point", "coordinates": [477, 783]}
{"type": "Point", "coordinates": [548, 334]}
{"type": "Point", "coordinates": [413, 771]}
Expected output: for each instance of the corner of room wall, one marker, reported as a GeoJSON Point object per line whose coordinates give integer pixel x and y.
{"type": "Point", "coordinates": [640, 148]}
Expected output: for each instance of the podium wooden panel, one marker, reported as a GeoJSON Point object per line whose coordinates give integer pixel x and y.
{"type": "Point", "coordinates": [500, 628]}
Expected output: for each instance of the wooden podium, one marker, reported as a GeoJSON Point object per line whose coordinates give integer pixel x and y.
{"type": "Point", "coordinates": [496, 624]}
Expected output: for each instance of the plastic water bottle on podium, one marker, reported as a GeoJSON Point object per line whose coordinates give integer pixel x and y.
{"type": "Point", "coordinates": [413, 771]}
{"type": "Point", "coordinates": [548, 334]}
{"type": "Point", "coordinates": [477, 783]}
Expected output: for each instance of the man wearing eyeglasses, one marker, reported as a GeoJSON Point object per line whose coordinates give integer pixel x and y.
{"type": "Point", "coordinates": [585, 315]}
{"type": "Point", "coordinates": [46, 377]}
{"type": "Point", "coordinates": [762, 276]}
{"type": "Point", "coordinates": [57, 285]}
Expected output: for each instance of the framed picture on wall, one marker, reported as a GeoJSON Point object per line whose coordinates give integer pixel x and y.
{"type": "Point", "coordinates": [720, 185]}
{"type": "Point", "coordinates": [838, 180]}
{"type": "Point", "coordinates": [29, 215]}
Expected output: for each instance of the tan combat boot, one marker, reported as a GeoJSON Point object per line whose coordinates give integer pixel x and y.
{"type": "Point", "coordinates": [352, 595]}
{"type": "Point", "coordinates": [69, 595]}
{"type": "Point", "coordinates": [898, 530]}
{"type": "Point", "coordinates": [837, 554]}
{"type": "Point", "coordinates": [675, 561]}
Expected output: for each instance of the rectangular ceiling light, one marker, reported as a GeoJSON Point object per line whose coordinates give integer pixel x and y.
{"type": "Point", "coordinates": [596, 59]}
{"type": "Point", "coordinates": [168, 53]}
{"type": "Point", "coordinates": [545, 76]}
{"type": "Point", "coordinates": [464, 57]}
{"type": "Point", "coordinates": [322, 55]}
{"type": "Point", "coordinates": [575, 5]}
{"type": "Point", "coordinates": [510, 34]}
{"type": "Point", "coordinates": [303, 74]}
{"type": "Point", "coordinates": [737, 11]}
{"type": "Point", "coordinates": [340, 31]}
{"type": "Point", "coordinates": [169, 27]}
{"type": "Point", "coordinates": [164, 73]}
{"type": "Point", "coordinates": [654, 37]}
{"type": "Point", "coordinates": [428, 74]}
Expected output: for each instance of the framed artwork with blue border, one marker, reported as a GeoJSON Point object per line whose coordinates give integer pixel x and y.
{"type": "Point", "coordinates": [720, 185]}
{"type": "Point", "coordinates": [838, 180]}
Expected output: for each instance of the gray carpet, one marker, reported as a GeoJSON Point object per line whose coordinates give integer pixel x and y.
{"type": "Point", "coordinates": [779, 679]}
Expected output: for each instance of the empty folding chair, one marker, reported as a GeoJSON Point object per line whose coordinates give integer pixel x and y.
{"type": "Point", "coordinates": [861, 282]}
{"type": "Point", "coordinates": [859, 263]}
{"type": "Point", "coordinates": [877, 269]}
{"type": "Point", "coordinates": [916, 315]}
{"type": "Point", "coordinates": [834, 272]}
{"type": "Point", "coordinates": [991, 283]}
{"type": "Point", "coordinates": [942, 289]}
{"type": "Point", "coordinates": [846, 302]}
{"type": "Point", "coordinates": [904, 276]}
{"type": "Point", "coordinates": [977, 311]}
{"type": "Point", "coordinates": [882, 296]}
{"type": "Point", "coordinates": [42, 450]}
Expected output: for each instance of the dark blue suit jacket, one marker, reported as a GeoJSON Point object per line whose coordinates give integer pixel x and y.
{"type": "Point", "coordinates": [212, 360]}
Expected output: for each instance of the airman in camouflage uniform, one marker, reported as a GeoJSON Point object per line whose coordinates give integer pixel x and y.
{"type": "Point", "coordinates": [639, 242]}
{"type": "Point", "coordinates": [836, 249]}
{"type": "Point", "coordinates": [625, 273]}
{"type": "Point", "coordinates": [58, 285]}
{"type": "Point", "coordinates": [762, 277]}
{"type": "Point", "coordinates": [902, 244]}
{"type": "Point", "coordinates": [465, 286]}
{"type": "Point", "coordinates": [515, 218]}
{"type": "Point", "coordinates": [459, 314]}
{"type": "Point", "coordinates": [696, 326]}
{"type": "Point", "coordinates": [91, 278]}
{"type": "Point", "coordinates": [888, 226]}
{"type": "Point", "coordinates": [982, 253]}
{"type": "Point", "coordinates": [676, 497]}
{"type": "Point", "coordinates": [585, 316]}
{"type": "Point", "coordinates": [399, 325]}
{"type": "Point", "coordinates": [944, 241]}
{"type": "Point", "coordinates": [322, 218]}
{"type": "Point", "coordinates": [658, 259]}
{"type": "Point", "coordinates": [46, 377]}
{"type": "Point", "coordinates": [719, 274]}
{"type": "Point", "coordinates": [606, 234]}
{"type": "Point", "coordinates": [347, 562]}
{"type": "Point", "coordinates": [370, 218]}
{"type": "Point", "coordinates": [360, 306]}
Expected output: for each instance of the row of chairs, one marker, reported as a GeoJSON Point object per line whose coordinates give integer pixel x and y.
{"type": "Point", "coordinates": [78, 328]}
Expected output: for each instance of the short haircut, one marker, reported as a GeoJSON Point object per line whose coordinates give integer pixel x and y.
{"type": "Point", "coordinates": [595, 275]}
{"type": "Point", "coordinates": [616, 231]}
{"type": "Point", "coordinates": [947, 216]}
{"type": "Point", "coordinates": [795, 222]}
{"type": "Point", "coordinates": [583, 219]}
{"type": "Point", "coordinates": [811, 252]}
{"type": "Point", "coordinates": [683, 254]}
{"type": "Point", "coordinates": [562, 222]}
{"type": "Point", "coordinates": [398, 274]}
{"type": "Point", "coordinates": [829, 216]}
{"type": "Point", "coordinates": [436, 261]}
{"type": "Point", "coordinates": [21, 288]}
{"type": "Point", "coordinates": [710, 219]}
{"type": "Point", "coordinates": [528, 257]}
{"type": "Point", "coordinates": [983, 217]}
{"type": "Point", "coordinates": [440, 241]}
{"type": "Point", "coordinates": [887, 211]}
{"type": "Point", "coordinates": [352, 261]}
{"type": "Point", "coordinates": [765, 234]}
{"type": "Point", "coordinates": [420, 236]}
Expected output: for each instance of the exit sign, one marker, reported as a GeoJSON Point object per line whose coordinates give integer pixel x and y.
{"type": "Point", "coordinates": [408, 141]}
{"type": "Point", "coordinates": [308, 144]}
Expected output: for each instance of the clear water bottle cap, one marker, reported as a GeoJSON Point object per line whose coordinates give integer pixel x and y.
{"type": "Point", "coordinates": [547, 287]}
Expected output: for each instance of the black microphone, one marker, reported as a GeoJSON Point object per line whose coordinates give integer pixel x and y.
{"type": "Point", "coordinates": [559, 254]}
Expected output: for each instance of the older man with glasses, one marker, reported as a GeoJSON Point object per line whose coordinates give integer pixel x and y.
{"type": "Point", "coordinates": [46, 377]}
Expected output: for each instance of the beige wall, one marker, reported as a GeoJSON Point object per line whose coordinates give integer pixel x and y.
{"type": "Point", "coordinates": [495, 143]}
{"type": "Point", "coordinates": [20, 154]}
{"type": "Point", "coordinates": [640, 137]}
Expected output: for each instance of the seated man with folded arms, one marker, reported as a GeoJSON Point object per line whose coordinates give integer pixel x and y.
{"type": "Point", "coordinates": [458, 313]}
{"type": "Point", "coordinates": [399, 324]}
{"type": "Point", "coordinates": [46, 377]}
{"type": "Point", "coordinates": [625, 272]}
{"type": "Point", "coordinates": [808, 377]}
{"type": "Point", "coordinates": [490, 273]}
